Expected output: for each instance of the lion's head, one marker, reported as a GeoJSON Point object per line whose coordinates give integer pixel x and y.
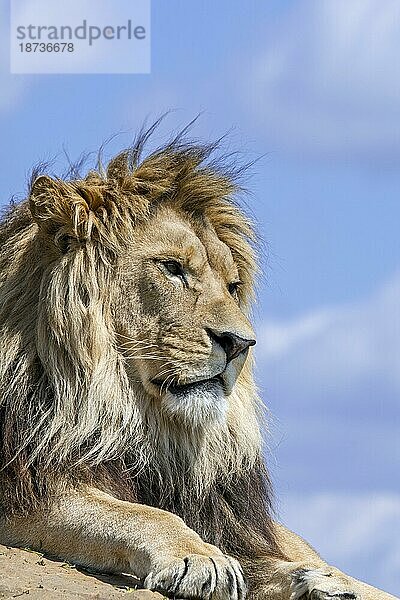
{"type": "Point", "coordinates": [177, 314]}
{"type": "Point", "coordinates": [124, 313]}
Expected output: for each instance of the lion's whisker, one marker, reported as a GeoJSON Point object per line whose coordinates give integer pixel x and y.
{"type": "Point", "coordinates": [144, 357]}
{"type": "Point", "coordinates": [141, 351]}
{"type": "Point", "coordinates": [172, 376]}
{"type": "Point", "coordinates": [128, 337]}
{"type": "Point", "coordinates": [170, 383]}
{"type": "Point", "coordinates": [166, 371]}
{"type": "Point", "coordinates": [137, 345]}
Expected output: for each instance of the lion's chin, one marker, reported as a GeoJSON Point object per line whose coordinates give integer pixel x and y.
{"type": "Point", "coordinates": [197, 404]}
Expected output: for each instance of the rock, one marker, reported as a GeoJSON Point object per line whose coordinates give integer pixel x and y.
{"type": "Point", "coordinates": [29, 575]}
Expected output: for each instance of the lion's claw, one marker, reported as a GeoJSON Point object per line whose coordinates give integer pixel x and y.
{"type": "Point", "coordinates": [320, 595]}
{"type": "Point", "coordinates": [198, 576]}
{"type": "Point", "coordinates": [319, 584]}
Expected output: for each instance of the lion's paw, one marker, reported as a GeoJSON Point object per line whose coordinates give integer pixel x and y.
{"type": "Point", "coordinates": [319, 584]}
{"type": "Point", "coordinates": [197, 576]}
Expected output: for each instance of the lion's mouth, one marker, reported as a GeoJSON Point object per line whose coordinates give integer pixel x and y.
{"type": "Point", "coordinates": [181, 389]}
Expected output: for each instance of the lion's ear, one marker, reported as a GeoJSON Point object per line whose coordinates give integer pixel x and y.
{"type": "Point", "coordinates": [40, 189]}
{"type": "Point", "coordinates": [47, 202]}
{"type": "Point", "coordinates": [51, 211]}
{"type": "Point", "coordinates": [66, 210]}
{"type": "Point", "coordinates": [40, 184]}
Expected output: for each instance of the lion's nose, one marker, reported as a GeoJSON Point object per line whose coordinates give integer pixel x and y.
{"type": "Point", "coordinates": [232, 344]}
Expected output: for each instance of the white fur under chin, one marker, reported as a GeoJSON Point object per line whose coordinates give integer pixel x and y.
{"type": "Point", "coordinates": [196, 407]}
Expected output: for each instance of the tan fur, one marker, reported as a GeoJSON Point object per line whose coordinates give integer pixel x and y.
{"type": "Point", "coordinates": [98, 336]}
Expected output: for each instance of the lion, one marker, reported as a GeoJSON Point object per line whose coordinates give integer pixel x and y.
{"type": "Point", "coordinates": [131, 426]}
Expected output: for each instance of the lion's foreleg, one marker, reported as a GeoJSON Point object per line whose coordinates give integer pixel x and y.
{"type": "Point", "coordinates": [90, 528]}
{"type": "Point", "coordinates": [94, 529]}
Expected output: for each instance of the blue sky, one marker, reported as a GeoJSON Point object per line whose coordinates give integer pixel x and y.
{"type": "Point", "coordinates": [315, 87]}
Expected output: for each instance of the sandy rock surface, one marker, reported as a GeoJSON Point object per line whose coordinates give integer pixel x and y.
{"type": "Point", "coordinates": [28, 575]}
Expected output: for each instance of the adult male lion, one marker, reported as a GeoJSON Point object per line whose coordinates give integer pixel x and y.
{"type": "Point", "coordinates": [130, 436]}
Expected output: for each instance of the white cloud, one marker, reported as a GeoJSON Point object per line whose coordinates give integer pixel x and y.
{"type": "Point", "coordinates": [280, 338]}
{"type": "Point", "coordinates": [328, 81]}
{"type": "Point", "coordinates": [354, 531]}
{"type": "Point", "coordinates": [332, 380]}
{"type": "Point", "coordinates": [340, 346]}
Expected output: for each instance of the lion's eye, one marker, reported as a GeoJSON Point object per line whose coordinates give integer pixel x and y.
{"type": "Point", "coordinates": [233, 287]}
{"type": "Point", "coordinates": [174, 268]}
